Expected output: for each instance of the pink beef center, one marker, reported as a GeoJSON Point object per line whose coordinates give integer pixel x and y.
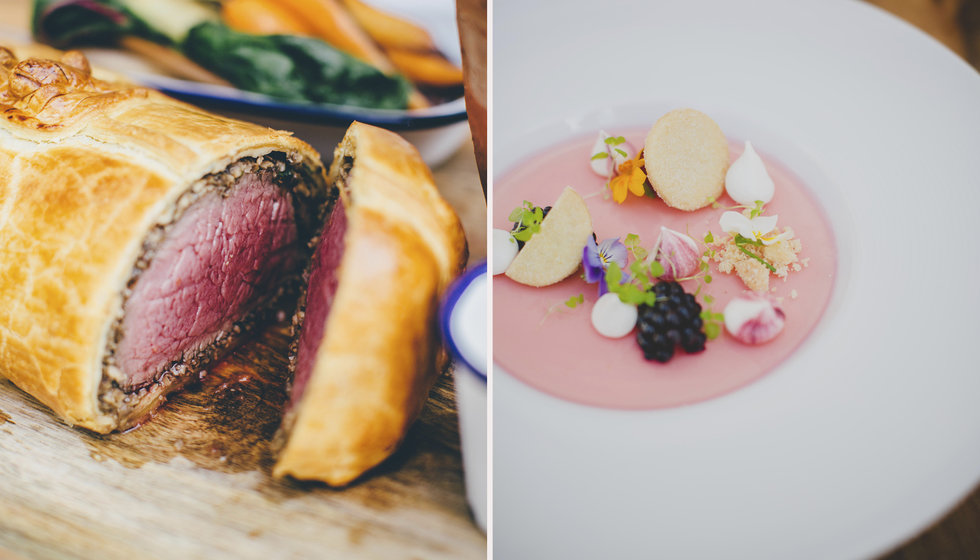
{"type": "Point", "coordinates": [319, 298]}
{"type": "Point", "coordinates": [221, 259]}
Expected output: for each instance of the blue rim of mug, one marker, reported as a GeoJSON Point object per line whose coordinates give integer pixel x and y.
{"type": "Point", "coordinates": [455, 291]}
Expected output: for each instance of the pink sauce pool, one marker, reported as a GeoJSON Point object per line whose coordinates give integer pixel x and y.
{"type": "Point", "coordinates": [561, 354]}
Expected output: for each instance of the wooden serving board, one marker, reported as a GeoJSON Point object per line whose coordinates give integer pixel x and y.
{"type": "Point", "coordinates": [194, 481]}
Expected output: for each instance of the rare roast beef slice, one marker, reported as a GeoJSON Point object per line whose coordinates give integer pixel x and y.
{"type": "Point", "coordinates": [234, 251]}
{"type": "Point", "coordinates": [139, 236]}
{"type": "Point", "coordinates": [365, 344]}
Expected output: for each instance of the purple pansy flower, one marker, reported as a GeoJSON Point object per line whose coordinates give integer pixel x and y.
{"type": "Point", "coordinates": [596, 259]}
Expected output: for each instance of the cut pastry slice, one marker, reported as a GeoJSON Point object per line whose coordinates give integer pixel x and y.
{"type": "Point", "coordinates": [686, 157]}
{"type": "Point", "coordinates": [365, 345]}
{"type": "Point", "coordinates": [139, 237]}
{"type": "Point", "coordinates": [555, 252]}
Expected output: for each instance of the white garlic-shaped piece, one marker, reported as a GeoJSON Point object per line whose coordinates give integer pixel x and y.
{"type": "Point", "coordinates": [504, 250]}
{"type": "Point", "coordinates": [606, 166]}
{"type": "Point", "coordinates": [677, 253]}
{"type": "Point", "coordinates": [747, 180]}
{"type": "Point", "coordinates": [612, 318]}
{"type": "Point", "coordinates": [753, 319]}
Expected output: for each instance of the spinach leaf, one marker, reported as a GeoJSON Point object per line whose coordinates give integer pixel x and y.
{"type": "Point", "coordinates": [293, 68]}
{"type": "Point", "coordinates": [68, 23]}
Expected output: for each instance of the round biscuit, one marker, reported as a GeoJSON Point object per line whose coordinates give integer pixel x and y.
{"type": "Point", "coordinates": [555, 252]}
{"type": "Point", "coordinates": [686, 158]}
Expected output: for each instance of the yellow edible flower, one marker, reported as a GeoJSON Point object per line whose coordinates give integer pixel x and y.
{"type": "Point", "coordinates": [629, 177]}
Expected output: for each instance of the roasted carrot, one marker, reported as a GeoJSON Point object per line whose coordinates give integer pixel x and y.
{"type": "Point", "coordinates": [389, 30]}
{"type": "Point", "coordinates": [263, 17]}
{"type": "Point", "coordinates": [426, 67]}
{"type": "Point", "coordinates": [332, 23]}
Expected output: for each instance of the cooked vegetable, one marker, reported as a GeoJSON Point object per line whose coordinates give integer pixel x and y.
{"type": "Point", "coordinates": [388, 30]}
{"type": "Point", "coordinates": [426, 67]}
{"type": "Point", "coordinates": [263, 17]}
{"type": "Point", "coordinates": [292, 67]}
{"type": "Point", "coordinates": [289, 67]}
{"type": "Point", "coordinates": [332, 23]}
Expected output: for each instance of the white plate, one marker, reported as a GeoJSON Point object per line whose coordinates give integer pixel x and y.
{"type": "Point", "coordinates": [869, 432]}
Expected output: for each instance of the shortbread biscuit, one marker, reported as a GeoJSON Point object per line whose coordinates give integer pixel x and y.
{"type": "Point", "coordinates": [555, 252]}
{"type": "Point", "coordinates": [686, 158]}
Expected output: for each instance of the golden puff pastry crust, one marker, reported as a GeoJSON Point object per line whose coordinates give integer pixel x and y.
{"type": "Point", "coordinates": [378, 357]}
{"type": "Point", "coordinates": [87, 167]}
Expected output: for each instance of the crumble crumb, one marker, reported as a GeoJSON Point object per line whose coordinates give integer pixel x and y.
{"type": "Point", "coordinates": [783, 256]}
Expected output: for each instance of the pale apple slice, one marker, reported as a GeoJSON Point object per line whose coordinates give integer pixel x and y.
{"type": "Point", "coordinates": [555, 252]}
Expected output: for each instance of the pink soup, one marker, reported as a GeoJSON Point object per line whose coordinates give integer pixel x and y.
{"type": "Point", "coordinates": [559, 352]}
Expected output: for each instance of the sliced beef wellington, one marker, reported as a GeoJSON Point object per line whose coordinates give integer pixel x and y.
{"type": "Point", "coordinates": [366, 343]}
{"type": "Point", "coordinates": [139, 236]}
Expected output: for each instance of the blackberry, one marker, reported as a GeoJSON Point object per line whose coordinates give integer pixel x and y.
{"type": "Point", "coordinates": [674, 320]}
{"type": "Point", "coordinates": [518, 226]}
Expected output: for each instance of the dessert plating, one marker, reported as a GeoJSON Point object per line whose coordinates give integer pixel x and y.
{"type": "Point", "coordinates": [626, 265]}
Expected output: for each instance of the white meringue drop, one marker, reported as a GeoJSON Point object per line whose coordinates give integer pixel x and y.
{"type": "Point", "coordinates": [604, 167]}
{"type": "Point", "coordinates": [612, 318]}
{"type": "Point", "coordinates": [677, 253]}
{"type": "Point", "coordinates": [747, 179]}
{"type": "Point", "coordinates": [753, 319]}
{"type": "Point", "coordinates": [504, 250]}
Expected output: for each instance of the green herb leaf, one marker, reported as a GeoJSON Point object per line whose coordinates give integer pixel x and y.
{"type": "Point", "coordinates": [708, 238]}
{"type": "Point", "coordinates": [613, 276]}
{"type": "Point", "coordinates": [523, 235]}
{"type": "Point", "coordinates": [712, 330]}
{"type": "Point", "coordinates": [656, 269]}
{"type": "Point", "coordinates": [632, 243]}
{"type": "Point", "coordinates": [575, 301]}
{"type": "Point", "coordinates": [757, 257]}
{"type": "Point", "coordinates": [515, 215]}
{"type": "Point", "coordinates": [712, 321]}
{"type": "Point", "coordinates": [742, 240]}
{"type": "Point", "coordinates": [636, 267]}
{"type": "Point", "coordinates": [600, 155]}
{"type": "Point", "coordinates": [614, 140]}
{"type": "Point", "coordinates": [622, 153]}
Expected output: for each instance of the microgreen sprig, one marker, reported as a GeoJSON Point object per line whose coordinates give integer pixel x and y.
{"type": "Point", "coordinates": [632, 243]}
{"type": "Point", "coordinates": [634, 289]}
{"type": "Point", "coordinates": [612, 141]}
{"type": "Point", "coordinates": [529, 218]}
{"type": "Point", "coordinates": [707, 255]}
{"type": "Point", "coordinates": [563, 307]}
{"type": "Point", "coordinates": [712, 321]}
{"type": "Point", "coordinates": [741, 242]}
